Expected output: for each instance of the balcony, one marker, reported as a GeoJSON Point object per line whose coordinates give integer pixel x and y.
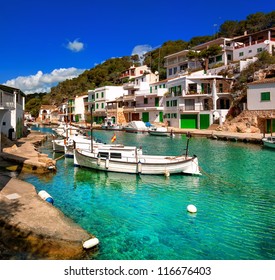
{"type": "Point", "coordinates": [130, 86]}
{"type": "Point", "coordinates": [6, 101]}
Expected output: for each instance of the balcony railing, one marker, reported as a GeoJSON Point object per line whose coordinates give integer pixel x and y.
{"type": "Point", "coordinates": [6, 101]}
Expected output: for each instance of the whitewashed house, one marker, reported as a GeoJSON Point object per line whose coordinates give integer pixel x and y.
{"type": "Point", "coordinates": [48, 114]}
{"type": "Point", "coordinates": [236, 52]}
{"type": "Point", "coordinates": [102, 96]}
{"type": "Point", "coordinates": [12, 105]}
{"type": "Point", "coordinates": [261, 99]}
{"type": "Point", "coordinates": [140, 100]}
{"type": "Point", "coordinates": [250, 45]}
{"type": "Point", "coordinates": [197, 101]}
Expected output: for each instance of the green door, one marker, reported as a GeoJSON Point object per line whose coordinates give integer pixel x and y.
{"type": "Point", "coordinates": [188, 121]}
{"type": "Point", "coordinates": [204, 121]}
{"type": "Point", "coordinates": [160, 116]}
{"type": "Point", "coordinates": [270, 129]}
{"type": "Point", "coordinates": [145, 116]}
{"type": "Point", "coordinates": [156, 102]}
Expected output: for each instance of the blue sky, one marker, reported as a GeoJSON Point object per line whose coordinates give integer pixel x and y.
{"type": "Point", "coordinates": [45, 42]}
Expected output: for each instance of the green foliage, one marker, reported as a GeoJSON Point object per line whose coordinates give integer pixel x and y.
{"type": "Point", "coordinates": [253, 23]}
{"type": "Point", "coordinates": [195, 41]}
{"type": "Point", "coordinates": [33, 103]}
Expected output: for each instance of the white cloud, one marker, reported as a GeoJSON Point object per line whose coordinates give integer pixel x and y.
{"type": "Point", "coordinates": [141, 50]}
{"type": "Point", "coordinates": [75, 46]}
{"type": "Point", "coordinates": [41, 82]}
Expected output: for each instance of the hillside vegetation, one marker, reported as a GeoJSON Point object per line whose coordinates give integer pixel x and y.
{"type": "Point", "coordinates": [108, 73]}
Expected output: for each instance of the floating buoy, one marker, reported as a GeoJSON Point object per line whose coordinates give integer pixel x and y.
{"type": "Point", "coordinates": [192, 208]}
{"type": "Point", "coordinates": [45, 196]}
{"type": "Point", "coordinates": [90, 243]}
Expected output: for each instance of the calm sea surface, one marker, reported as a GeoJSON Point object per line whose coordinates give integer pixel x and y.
{"type": "Point", "coordinates": [145, 217]}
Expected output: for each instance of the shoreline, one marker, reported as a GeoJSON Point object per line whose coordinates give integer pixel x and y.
{"type": "Point", "coordinates": [32, 228]}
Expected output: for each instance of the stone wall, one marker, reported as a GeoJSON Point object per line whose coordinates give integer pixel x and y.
{"type": "Point", "coordinates": [249, 122]}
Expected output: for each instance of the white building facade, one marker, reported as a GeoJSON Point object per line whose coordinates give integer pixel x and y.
{"type": "Point", "coordinates": [197, 101]}
{"type": "Point", "coordinates": [12, 106]}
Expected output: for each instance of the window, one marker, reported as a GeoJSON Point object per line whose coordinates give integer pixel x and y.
{"type": "Point", "coordinates": [174, 103]}
{"type": "Point", "coordinates": [205, 88]}
{"type": "Point", "coordinates": [103, 155]}
{"type": "Point", "coordinates": [192, 88]}
{"type": "Point", "coordinates": [175, 70]}
{"type": "Point", "coordinates": [189, 104]}
{"type": "Point", "coordinates": [170, 71]}
{"type": "Point", "coordinates": [96, 95]}
{"type": "Point", "coordinates": [102, 94]}
{"type": "Point", "coordinates": [218, 58]}
{"type": "Point", "coordinates": [259, 50]}
{"type": "Point", "coordinates": [102, 105]}
{"type": "Point", "coordinates": [265, 96]}
{"type": "Point", "coordinates": [241, 54]}
{"type": "Point", "coordinates": [220, 87]}
{"type": "Point", "coordinates": [115, 155]}
{"type": "Point", "coordinates": [145, 100]}
{"type": "Point", "coordinates": [229, 57]}
{"type": "Point", "coordinates": [167, 104]}
{"type": "Point", "coordinates": [211, 60]}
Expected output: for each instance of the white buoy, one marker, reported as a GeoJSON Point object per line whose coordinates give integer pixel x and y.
{"type": "Point", "coordinates": [192, 208]}
{"type": "Point", "coordinates": [45, 196]}
{"type": "Point", "coordinates": [90, 243]}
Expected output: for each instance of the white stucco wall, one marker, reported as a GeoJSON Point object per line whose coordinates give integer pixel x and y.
{"type": "Point", "coordinates": [254, 96]}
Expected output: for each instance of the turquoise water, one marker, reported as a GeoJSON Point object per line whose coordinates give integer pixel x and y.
{"type": "Point", "coordinates": [145, 217]}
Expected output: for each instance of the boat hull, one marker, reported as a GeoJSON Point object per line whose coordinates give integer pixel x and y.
{"type": "Point", "coordinates": [269, 142]}
{"type": "Point", "coordinates": [159, 133]}
{"type": "Point", "coordinates": [142, 164]}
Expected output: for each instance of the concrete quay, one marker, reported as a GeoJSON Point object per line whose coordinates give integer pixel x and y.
{"type": "Point", "coordinates": [25, 155]}
{"type": "Point", "coordinates": [31, 228]}
{"type": "Point", "coordinates": [254, 138]}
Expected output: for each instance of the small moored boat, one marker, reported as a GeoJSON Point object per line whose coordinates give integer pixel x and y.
{"type": "Point", "coordinates": [159, 131]}
{"type": "Point", "coordinates": [269, 142]}
{"type": "Point", "coordinates": [135, 127]}
{"type": "Point", "coordinates": [110, 125]}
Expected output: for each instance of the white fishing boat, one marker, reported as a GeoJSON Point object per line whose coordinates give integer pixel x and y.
{"type": "Point", "coordinates": [67, 145]}
{"type": "Point", "coordinates": [136, 126]}
{"type": "Point", "coordinates": [159, 131]}
{"type": "Point", "coordinates": [130, 159]}
{"type": "Point", "coordinates": [269, 141]}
